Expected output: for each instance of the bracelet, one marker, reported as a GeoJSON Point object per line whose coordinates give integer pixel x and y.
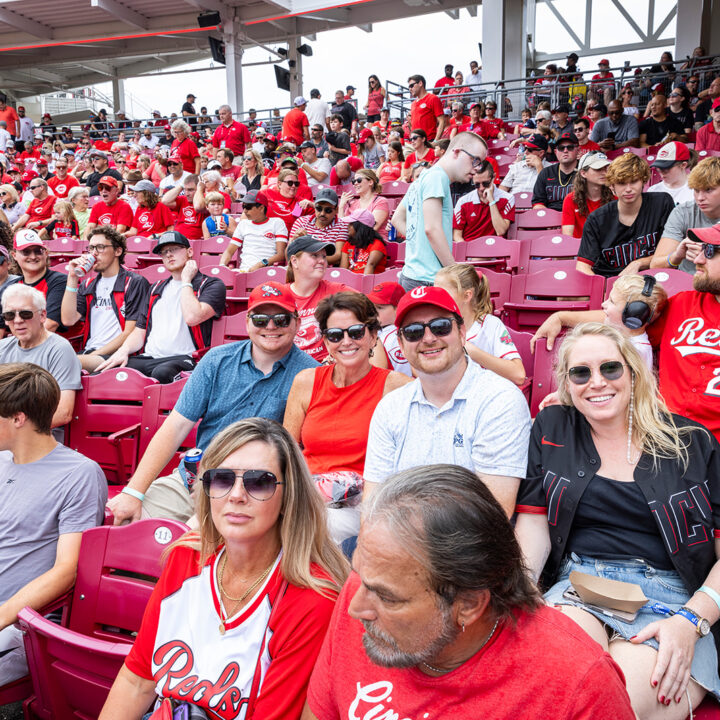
{"type": "Point", "coordinates": [712, 594]}
{"type": "Point", "coordinates": [494, 202]}
{"type": "Point", "coordinates": [133, 493]}
{"type": "Point", "coordinates": [71, 289]}
{"type": "Point", "coordinates": [674, 267]}
{"type": "Point", "coordinates": [186, 284]}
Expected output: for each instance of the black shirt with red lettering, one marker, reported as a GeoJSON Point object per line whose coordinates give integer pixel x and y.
{"type": "Point", "coordinates": [609, 246]}
{"type": "Point", "coordinates": [52, 286]}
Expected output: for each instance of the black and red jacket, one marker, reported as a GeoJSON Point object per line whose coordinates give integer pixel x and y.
{"type": "Point", "coordinates": [206, 289]}
{"type": "Point", "coordinates": [128, 298]}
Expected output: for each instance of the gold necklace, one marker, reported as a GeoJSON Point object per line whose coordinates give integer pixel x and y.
{"type": "Point", "coordinates": [239, 600]}
{"type": "Point", "coordinates": [560, 177]}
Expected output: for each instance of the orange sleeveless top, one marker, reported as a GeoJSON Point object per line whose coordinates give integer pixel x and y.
{"type": "Point", "coordinates": [335, 431]}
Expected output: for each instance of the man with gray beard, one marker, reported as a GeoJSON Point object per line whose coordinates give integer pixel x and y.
{"type": "Point", "coordinates": [440, 619]}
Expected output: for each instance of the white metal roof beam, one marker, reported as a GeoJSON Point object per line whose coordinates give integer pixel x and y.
{"type": "Point", "coordinates": [121, 12]}
{"type": "Point", "coordinates": [215, 5]}
{"type": "Point", "coordinates": [20, 22]}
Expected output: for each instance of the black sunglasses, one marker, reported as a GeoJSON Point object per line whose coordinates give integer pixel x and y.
{"type": "Point", "coordinates": [709, 250]}
{"type": "Point", "coordinates": [414, 137]}
{"type": "Point", "coordinates": [281, 320]}
{"type": "Point", "coordinates": [440, 327]}
{"type": "Point", "coordinates": [354, 332]}
{"type": "Point", "coordinates": [610, 370]}
{"type": "Point", "coordinates": [258, 484]}
{"type": "Point", "coordinates": [325, 210]}
{"type": "Point", "coordinates": [356, 181]}
{"type": "Point", "coordinates": [250, 206]}
{"type": "Point", "coordinates": [292, 183]}
{"type": "Point", "coordinates": [484, 183]}
{"type": "Point", "coordinates": [9, 316]}
{"type": "Point", "coordinates": [566, 148]}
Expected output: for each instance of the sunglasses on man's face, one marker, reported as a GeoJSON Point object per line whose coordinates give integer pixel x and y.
{"type": "Point", "coordinates": [610, 370]}
{"type": "Point", "coordinates": [484, 183]}
{"type": "Point", "coordinates": [324, 210]}
{"type": "Point", "coordinates": [354, 332]}
{"type": "Point", "coordinates": [258, 484]}
{"type": "Point", "coordinates": [709, 250]}
{"type": "Point", "coordinates": [10, 315]}
{"type": "Point", "coordinates": [27, 252]}
{"type": "Point", "coordinates": [281, 320]}
{"type": "Point", "coordinates": [440, 327]}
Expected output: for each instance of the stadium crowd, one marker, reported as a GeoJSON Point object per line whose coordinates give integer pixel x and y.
{"type": "Point", "coordinates": [376, 406]}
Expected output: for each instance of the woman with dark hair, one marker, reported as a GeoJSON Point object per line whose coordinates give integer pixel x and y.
{"type": "Point", "coordinates": [608, 470]}
{"type": "Point", "coordinates": [376, 99]}
{"type": "Point", "coordinates": [679, 108]}
{"type": "Point", "coordinates": [588, 194]}
{"type": "Point", "coordinates": [422, 150]}
{"type": "Point", "coordinates": [364, 251]}
{"type": "Point", "coordinates": [247, 598]}
{"type": "Point", "coordinates": [391, 169]}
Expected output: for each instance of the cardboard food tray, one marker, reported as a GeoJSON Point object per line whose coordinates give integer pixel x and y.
{"type": "Point", "coordinates": [612, 594]}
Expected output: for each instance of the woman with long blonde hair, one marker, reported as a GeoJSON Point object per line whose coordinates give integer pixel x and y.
{"type": "Point", "coordinates": [619, 488]}
{"type": "Point", "coordinates": [241, 609]}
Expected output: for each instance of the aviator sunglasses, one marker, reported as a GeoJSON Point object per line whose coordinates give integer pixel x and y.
{"type": "Point", "coordinates": [258, 484]}
{"type": "Point", "coordinates": [281, 320]}
{"type": "Point", "coordinates": [610, 370]}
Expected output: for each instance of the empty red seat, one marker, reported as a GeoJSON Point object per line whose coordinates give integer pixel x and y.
{"type": "Point", "coordinates": [492, 252]}
{"type": "Point", "coordinates": [536, 251]}
{"type": "Point", "coordinates": [534, 222]}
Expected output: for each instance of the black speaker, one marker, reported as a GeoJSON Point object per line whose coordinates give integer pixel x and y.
{"type": "Point", "coordinates": [282, 78]}
{"type": "Point", "coordinates": [208, 19]}
{"type": "Point", "coordinates": [217, 50]}
{"type": "Point", "coordinates": [305, 50]}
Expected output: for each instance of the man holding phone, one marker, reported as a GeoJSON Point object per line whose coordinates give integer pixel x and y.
{"type": "Point", "coordinates": [617, 130]}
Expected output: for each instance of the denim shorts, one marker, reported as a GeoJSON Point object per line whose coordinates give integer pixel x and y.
{"type": "Point", "coordinates": [663, 586]}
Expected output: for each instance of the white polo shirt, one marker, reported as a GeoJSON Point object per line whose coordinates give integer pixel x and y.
{"type": "Point", "coordinates": [484, 427]}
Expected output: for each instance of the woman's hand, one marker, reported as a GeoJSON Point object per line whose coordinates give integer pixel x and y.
{"type": "Point", "coordinates": [305, 204]}
{"type": "Point", "coordinates": [552, 398]}
{"type": "Point", "coordinates": [676, 638]}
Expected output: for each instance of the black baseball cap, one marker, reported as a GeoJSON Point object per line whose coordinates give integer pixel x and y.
{"type": "Point", "coordinates": [307, 243]}
{"type": "Point", "coordinates": [171, 237]}
{"type": "Point", "coordinates": [568, 136]}
{"type": "Point", "coordinates": [536, 142]}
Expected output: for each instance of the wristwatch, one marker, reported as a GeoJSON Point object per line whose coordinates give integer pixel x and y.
{"type": "Point", "coordinates": [701, 624]}
{"type": "Point", "coordinates": [265, 262]}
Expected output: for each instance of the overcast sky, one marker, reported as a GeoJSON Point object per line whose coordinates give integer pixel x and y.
{"type": "Point", "coordinates": [393, 50]}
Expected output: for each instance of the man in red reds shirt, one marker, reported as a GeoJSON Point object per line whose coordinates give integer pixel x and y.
{"type": "Point", "coordinates": [603, 83]}
{"type": "Point", "coordinates": [8, 114]}
{"type": "Point", "coordinates": [447, 79]}
{"type": "Point", "coordinates": [62, 183]}
{"type": "Point", "coordinates": [230, 134]}
{"type": "Point", "coordinates": [111, 210]}
{"type": "Point", "coordinates": [296, 124]}
{"type": "Point", "coordinates": [40, 211]}
{"type": "Point", "coordinates": [426, 112]}
{"type": "Point", "coordinates": [685, 334]}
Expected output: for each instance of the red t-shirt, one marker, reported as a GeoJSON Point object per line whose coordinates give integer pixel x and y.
{"type": "Point", "coordinates": [287, 210]}
{"type": "Point", "coordinates": [473, 217]}
{"type": "Point", "coordinates": [707, 138]}
{"type": "Point", "coordinates": [61, 188]}
{"type": "Point", "coordinates": [11, 118]}
{"type": "Point", "coordinates": [234, 171]}
{"type": "Point", "coordinates": [589, 146]}
{"type": "Point", "coordinates": [444, 82]}
{"type": "Point", "coordinates": [234, 137]}
{"type": "Point", "coordinates": [544, 666]}
{"type": "Point", "coordinates": [185, 152]}
{"type": "Point", "coordinates": [180, 648]}
{"type": "Point", "coordinates": [452, 123]}
{"type": "Point", "coordinates": [149, 221]}
{"type": "Point", "coordinates": [187, 220]}
{"type": "Point", "coordinates": [413, 158]}
{"type": "Point", "coordinates": [118, 214]}
{"type": "Point", "coordinates": [390, 172]}
{"type": "Point", "coordinates": [358, 258]}
{"type": "Point", "coordinates": [571, 215]}
{"type": "Point", "coordinates": [41, 209]}
{"type": "Point", "coordinates": [599, 80]}
{"type": "Point", "coordinates": [103, 145]}
{"type": "Point", "coordinates": [293, 124]}
{"type": "Point", "coordinates": [424, 113]}
{"type": "Point", "coordinates": [309, 338]}
{"type": "Point", "coordinates": [689, 356]}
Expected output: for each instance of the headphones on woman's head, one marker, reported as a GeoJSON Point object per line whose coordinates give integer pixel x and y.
{"type": "Point", "coordinates": [636, 313]}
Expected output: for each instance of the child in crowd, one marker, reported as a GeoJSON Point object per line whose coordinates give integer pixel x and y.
{"type": "Point", "coordinates": [218, 222]}
{"type": "Point", "coordinates": [487, 340]}
{"type": "Point", "coordinates": [364, 251]}
{"type": "Point", "coordinates": [63, 224]}
{"type": "Point", "coordinates": [628, 290]}
{"type": "Point", "coordinates": [386, 297]}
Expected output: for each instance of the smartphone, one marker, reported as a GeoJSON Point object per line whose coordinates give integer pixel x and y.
{"type": "Point", "coordinates": [626, 617]}
{"type": "Point", "coordinates": [611, 135]}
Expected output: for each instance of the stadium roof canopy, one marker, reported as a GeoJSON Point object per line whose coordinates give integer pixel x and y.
{"type": "Point", "coordinates": [50, 45]}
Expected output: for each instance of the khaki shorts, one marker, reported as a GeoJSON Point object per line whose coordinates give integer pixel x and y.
{"type": "Point", "coordinates": [168, 498]}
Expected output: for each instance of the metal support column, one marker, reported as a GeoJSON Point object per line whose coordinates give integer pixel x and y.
{"type": "Point", "coordinates": [296, 73]}
{"type": "Point", "coordinates": [233, 65]}
{"type": "Point", "coordinates": [694, 26]}
{"type": "Point", "coordinates": [118, 91]}
{"type": "Point", "coordinates": [504, 37]}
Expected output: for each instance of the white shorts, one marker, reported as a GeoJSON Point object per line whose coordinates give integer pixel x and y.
{"type": "Point", "coordinates": [13, 664]}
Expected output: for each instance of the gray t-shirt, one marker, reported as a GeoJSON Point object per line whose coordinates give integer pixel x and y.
{"type": "Point", "coordinates": [626, 129]}
{"type": "Point", "coordinates": [63, 492]}
{"type": "Point", "coordinates": [685, 216]}
{"type": "Point", "coordinates": [54, 355]}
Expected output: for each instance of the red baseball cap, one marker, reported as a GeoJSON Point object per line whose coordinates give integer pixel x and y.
{"type": "Point", "coordinates": [386, 293]}
{"type": "Point", "coordinates": [26, 238]}
{"type": "Point", "coordinates": [670, 153]}
{"type": "Point", "coordinates": [28, 176]}
{"type": "Point", "coordinates": [355, 163]}
{"type": "Point", "coordinates": [709, 235]}
{"type": "Point", "coordinates": [659, 88]}
{"type": "Point", "coordinates": [272, 293]}
{"type": "Point", "coordinates": [716, 103]}
{"type": "Point", "coordinates": [108, 181]}
{"type": "Point", "coordinates": [424, 295]}
{"type": "Point", "coordinates": [365, 134]}
{"type": "Point", "coordinates": [604, 61]}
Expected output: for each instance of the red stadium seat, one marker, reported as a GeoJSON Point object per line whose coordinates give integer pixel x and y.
{"type": "Point", "coordinates": [708, 153]}
{"type": "Point", "coordinates": [210, 246]}
{"type": "Point", "coordinates": [342, 275]}
{"type": "Point", "coordinates": [65, 247]}
{"type": "Point", "coordinates": [107, 404]}
{"type": "Point", "coordinates": [140, 245]}
{"type": "Point", "coordinates": [72, 668]}
{"type": "Point", "coordinates": [523, 202]}
{"type": "Point", "coordinates": [673, 281]}
{"type": "Point", "coordinates": [494, 253]}
{"type": "Point", "coordinates": [153, 273]}
{"type": "Point", "coordinates": [396, 188]}
{"type": "Point", "coordinates": [504, 162]}
{"type": "Point", "coordinates": [395, 254]}
{"type": "Point", "coordinates": [533, 223]}
{"type": "Point", "coordinates": [499, 288]}
{"type": "Point", "coordinates": [497, 144]}
{"type": "Point", "coordinates": [229, 328]}
{"type": "Point", "coordinates": [389, 275]}
{"type": "Point", "coordinates": [534, 297]}
{"type": "Point", "coordinates": [228, 276]}
{"type": "Point", "coordinates": [93, 200]}
{"type": "Point", "coordinates": [245, 282]}
{"type": "Point", "coordinates": [640, 152]}
{"type": "Point", "coordinates": [537, 251]}
{"type": "Point", "coordinates": [522, 343]}
{"type": "Point", "coordinates": [543, 375]}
